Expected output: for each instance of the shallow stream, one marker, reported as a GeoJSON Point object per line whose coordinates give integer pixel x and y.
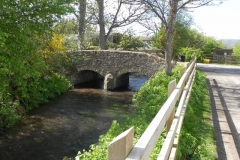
{"type": "Point", "coordinates": [67, 124]}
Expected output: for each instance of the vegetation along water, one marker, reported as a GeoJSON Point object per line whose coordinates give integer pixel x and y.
{"type": "Point", "coordinates": [147, 101]}
{"type": "Point", "coordinates": [67, 124]}
{"type": "Point", "coordinates": [74, 121]}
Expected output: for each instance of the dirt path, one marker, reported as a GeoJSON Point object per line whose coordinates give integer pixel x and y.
{"type": "Point", "coordinates": [224, 91]}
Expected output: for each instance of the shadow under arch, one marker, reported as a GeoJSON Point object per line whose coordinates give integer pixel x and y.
{"type": "Point", "coordinates": [88, 79]}
{"type": "Point", "coordinates": [131, 81]}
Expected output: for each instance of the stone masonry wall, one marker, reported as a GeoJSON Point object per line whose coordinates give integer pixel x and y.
{"type": "Point", "coordinates": [117, 62]}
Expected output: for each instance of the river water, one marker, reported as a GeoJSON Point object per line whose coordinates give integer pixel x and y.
{"type": "Point", "coordinates": [67, 124]}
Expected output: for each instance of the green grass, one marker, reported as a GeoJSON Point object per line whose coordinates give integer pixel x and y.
{"type": "Point", "coordinates": [197, 135]}
{"type": "Point", "coordinates": [147, 101]}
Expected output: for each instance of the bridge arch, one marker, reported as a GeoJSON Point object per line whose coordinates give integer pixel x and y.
{"type": "Point", "coordinates": [84, 76]}
{"type": "Point", "coordinates": [115, 66]}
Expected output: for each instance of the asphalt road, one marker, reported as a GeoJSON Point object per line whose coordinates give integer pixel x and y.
{"type": "Point", "coordinates": [224, 91]}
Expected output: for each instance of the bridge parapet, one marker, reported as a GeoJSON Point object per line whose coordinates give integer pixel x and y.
{"type": "Point", "coordinates": [114, 66]}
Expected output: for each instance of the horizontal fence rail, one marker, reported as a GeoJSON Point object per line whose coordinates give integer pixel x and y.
{"type": "Point", "coordinates": [165, 116]}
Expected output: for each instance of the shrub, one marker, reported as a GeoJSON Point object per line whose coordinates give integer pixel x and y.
{"type": "Point", "coordinates": [27, 80]}
{"type": "Point", "coordinates": [130, 42]}
{"type": "Point", "coordinates": [190, 53]}
{"type": "Point", "coordinates": [15, 102]}
{"type": "Point", "coordinates": [54, 53]}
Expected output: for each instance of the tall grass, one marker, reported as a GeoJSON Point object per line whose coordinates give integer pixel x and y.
{"type": "Point", "coordinates": [197, 134]}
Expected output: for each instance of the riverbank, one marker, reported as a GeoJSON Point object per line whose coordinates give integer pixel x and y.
{"type": "Point", "coordinates": [65, 125]}
{"type": "Point", "coordinates": [147, 101]}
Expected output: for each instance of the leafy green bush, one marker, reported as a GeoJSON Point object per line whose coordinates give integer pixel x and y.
{"type": "Point", "coordinates": [16, 100]}
{"type": "Point", "coordinates": [54, 54]}
{"type": "Point", "coordinates": [130, 42]}
{"type": "Point", "coordinates": [190, 53]}
{"type": "Point", "coordinates": [8, 114]}
{"type": "Point", "coordinates": [236, 49]}
{"type": "Point", "coordinates": [112, 45]}
{"type": "Point", "coordinates": [46, 88]}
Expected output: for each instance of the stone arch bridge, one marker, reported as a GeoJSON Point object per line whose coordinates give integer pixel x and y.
{"type": "Point", "coordinates": [113, 66]}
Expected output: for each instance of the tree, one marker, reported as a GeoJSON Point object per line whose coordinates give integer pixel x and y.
{"type": "Point", "coordinates": [66, 27]}
{"type": "Point", "coordinates": [82, 22]}
{"type": "Point", "coordinates": [181, 35]}
{"type": "Point", "coordinates": [167, 12]}
{"type": "Point", "coordinates": [236, 50]}
{"type": "Point", "coordinates": [23, 71]}
{"type": "Point", "coordinates": [101, 22]}
{"type": "Point", "coordinates": [210, 44]}
{"type": "Point", "coordinates": [187, 41]}
{"type": "Point", "coordinates": [113, 14]}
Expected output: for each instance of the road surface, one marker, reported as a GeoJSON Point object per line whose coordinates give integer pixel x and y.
{"type": "Point", "coordinates": [224, 91]}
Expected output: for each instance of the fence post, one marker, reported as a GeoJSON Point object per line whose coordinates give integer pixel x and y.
{"type": "Point", "coordinates": [171, 87]}
{"type": "Point", "coordinates": [120, 147]}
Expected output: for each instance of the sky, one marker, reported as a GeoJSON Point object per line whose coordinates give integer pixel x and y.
{"type": "Point", "coordinates": [221, 22]}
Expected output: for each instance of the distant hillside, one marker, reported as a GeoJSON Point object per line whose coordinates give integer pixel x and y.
{"type": "Point", "coordinates": [229, 43]}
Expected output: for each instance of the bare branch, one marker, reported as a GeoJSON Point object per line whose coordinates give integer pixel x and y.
{"type": "Point", "coordinates": [76, 15]}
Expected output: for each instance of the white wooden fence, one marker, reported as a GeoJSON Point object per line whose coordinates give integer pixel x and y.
{"type": "Point", "coordinates": [122, 146]}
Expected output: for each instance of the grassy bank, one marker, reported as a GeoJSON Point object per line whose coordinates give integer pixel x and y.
{"type": "Point", "coordinates": [147, 101]}
{"type": "Point", "coordinates": [197, 134]}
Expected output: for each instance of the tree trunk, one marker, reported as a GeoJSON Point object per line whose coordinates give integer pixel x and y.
{"type": "Point", "coordinates": [102, 37]}
{"type": "Point", "coordinates": [170, 35]}
{"type": "Point", "coordinates": [82, 23]}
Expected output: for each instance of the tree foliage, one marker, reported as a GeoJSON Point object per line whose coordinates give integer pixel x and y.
{"type": "Point", "coordinates": [128, 42]}
{"type": "Point", "coordinates": [54, 53]}
{"type": "Point", "coordinates": [167, 12]}
{"type": "Point", "coordinates": [236, 50]}
{"type": "Point", "coordinates": [109, 15]}
{"type": "Point", "coordinates": [190, 53]}
{"type": "Point", "coordinates": [66, 27]}
{"type": "Point", "coordinates": [25, 78]}
{"type": "Point", "coordinates": [186, 40]}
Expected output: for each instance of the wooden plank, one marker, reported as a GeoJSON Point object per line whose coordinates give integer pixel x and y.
{"type": "Point", "coordinates": [168, 143]}
{"type": "Point", "coordinates": [185, 76]}
{"type": "Point", "coordinates": [145, 145]}
{"type": "Point", "coordinates": [176, 138]}
{"type": "Point", "coordinates": [171, 87]}
{"type": "Point", "coordinates": [182, 71]}
{"type": "Point", "coordinates": [120, 147]}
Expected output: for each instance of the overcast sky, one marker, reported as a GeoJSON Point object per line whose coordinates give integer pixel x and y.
{"type": "Point", "coordinates": [221, 22]}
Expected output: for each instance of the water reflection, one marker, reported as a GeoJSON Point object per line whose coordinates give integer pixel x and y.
{"type": "Point", "coordinates": [135, 82]}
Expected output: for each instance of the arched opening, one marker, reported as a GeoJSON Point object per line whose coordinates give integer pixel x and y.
{"type": "Point", "coordinates": [136, 80]}
{"type": "Point", "coordinates": [88, 79]}
{"type": "Point", "coordinates": [130, 81]}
